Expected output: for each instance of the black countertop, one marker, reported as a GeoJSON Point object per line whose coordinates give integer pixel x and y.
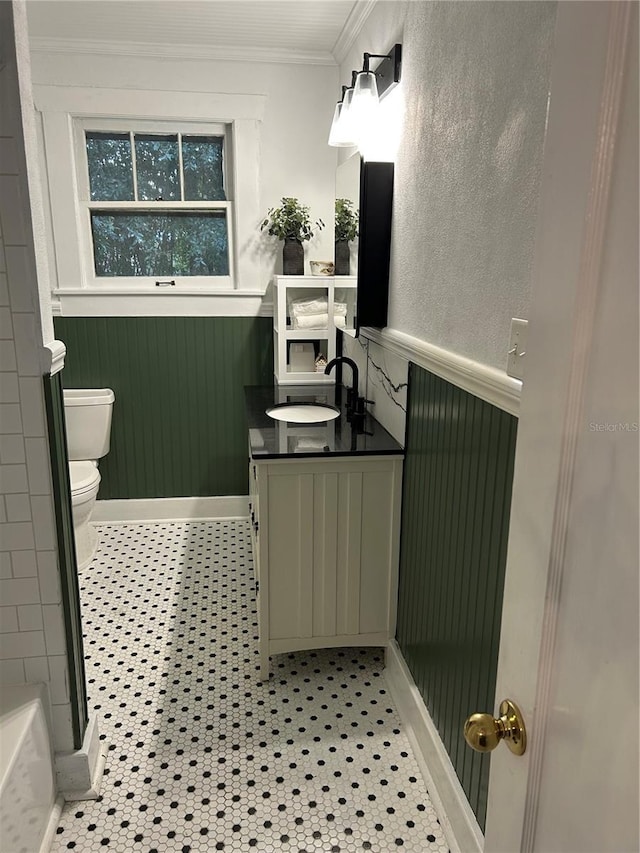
{"type": "Point", "coordinates": [271, 439]}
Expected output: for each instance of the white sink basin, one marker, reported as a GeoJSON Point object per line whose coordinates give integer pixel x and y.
{"type": "Point", "coordinates": [303, 413]}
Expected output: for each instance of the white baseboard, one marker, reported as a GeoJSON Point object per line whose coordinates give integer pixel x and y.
{"type": "Point", "coordinates": [79, 773]}
{"type": "Point", "coordinates": [174, 509]}
{"type": "Point", "coordinates": [458, 821]}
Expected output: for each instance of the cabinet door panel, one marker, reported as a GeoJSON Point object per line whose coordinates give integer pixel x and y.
{"type": "Point", "coordinates": [348, 553]}
{"type": "Point", "coordinates": [325, 543]}
{"type": "Point", "coordinates": [290, 555]}
{"type": "Point", "coordinates": [377, 515]}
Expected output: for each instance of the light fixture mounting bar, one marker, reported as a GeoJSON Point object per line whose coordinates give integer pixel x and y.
{"type": "Point", "coordinates": [389, 69]}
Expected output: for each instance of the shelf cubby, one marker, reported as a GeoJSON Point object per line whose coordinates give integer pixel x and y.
{"type": "Point", "coordinates": [291, 290]}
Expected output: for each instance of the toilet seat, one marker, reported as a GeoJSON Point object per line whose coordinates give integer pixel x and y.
{"type": "Point", "coordinates": [84, 478]}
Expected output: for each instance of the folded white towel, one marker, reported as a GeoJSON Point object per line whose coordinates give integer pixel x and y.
{"type": "Point", "coordinates": [311, 321]}
{"type": "Point", "coordinates": [301, 307]}
{"type": "Point", "coordinates": [308, 306]}
{"type": "Point", "coordinates": [318, 321]}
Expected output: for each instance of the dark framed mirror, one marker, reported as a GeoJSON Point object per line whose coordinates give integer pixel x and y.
{"type": "Point", "coordinates": [374, 244]}
{"type": "Point", "coordinates": [369, 186]}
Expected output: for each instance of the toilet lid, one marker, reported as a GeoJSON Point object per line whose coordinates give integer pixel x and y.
{"type": "Point", "coordinates": [84, 476]}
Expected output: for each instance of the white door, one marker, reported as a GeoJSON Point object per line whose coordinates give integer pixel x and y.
{"type": "Point", "coordinates": [569, 642]}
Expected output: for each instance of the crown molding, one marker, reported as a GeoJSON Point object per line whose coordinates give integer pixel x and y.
{"type": "Point", "coordinates": [158, 50]}
{"type": "Point", "coordinates": [354, 23]}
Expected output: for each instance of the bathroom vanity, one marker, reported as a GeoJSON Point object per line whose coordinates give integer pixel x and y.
{"type": "Point", "coordinates": [325, 518]}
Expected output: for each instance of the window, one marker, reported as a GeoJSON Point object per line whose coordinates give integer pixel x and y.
{"type": "Point", "coordinates": [155, 205]}
{"type": "Point", "coordinates": [149, 186]}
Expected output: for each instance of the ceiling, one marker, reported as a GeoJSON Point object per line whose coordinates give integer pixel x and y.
{"type": "Point", "coordinates": [319, 31]}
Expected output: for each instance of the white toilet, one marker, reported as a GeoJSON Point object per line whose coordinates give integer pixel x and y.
{"type": "Point", "coordinates": [88, 416]}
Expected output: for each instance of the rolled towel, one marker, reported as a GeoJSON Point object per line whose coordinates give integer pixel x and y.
{"type": "Point", "coordinates": [311, 321]}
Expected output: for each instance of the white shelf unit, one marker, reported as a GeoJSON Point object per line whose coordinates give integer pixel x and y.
{"type": "Point", "coordinates": [289, 288]}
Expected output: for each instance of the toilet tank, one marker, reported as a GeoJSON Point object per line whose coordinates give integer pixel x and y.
{"type": "Point", "coordinates": [87, 413]}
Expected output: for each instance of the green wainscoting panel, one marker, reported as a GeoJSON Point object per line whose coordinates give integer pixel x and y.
{"type": "Point", "coordinates": [178, 426]}
{"type": "Point", "coordinates": [458, 477]}
{"type": "Point", "coordinates": [66, 554]}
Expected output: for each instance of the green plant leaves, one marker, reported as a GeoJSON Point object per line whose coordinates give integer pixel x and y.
{"type": "Point", "coordinates": [290, 221]}
{"type": "Point", "coordinates": [346, 225]}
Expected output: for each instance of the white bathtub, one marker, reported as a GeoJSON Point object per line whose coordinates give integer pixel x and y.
{"type": "Point", "coordinates": [28, 808]}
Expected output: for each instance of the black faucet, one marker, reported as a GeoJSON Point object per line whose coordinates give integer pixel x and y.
{"type": "Point", "coordinates": [352, 393]}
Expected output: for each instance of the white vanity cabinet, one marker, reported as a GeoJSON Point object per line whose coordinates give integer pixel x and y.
{"type": "Point", "coordinates": [326, 543]}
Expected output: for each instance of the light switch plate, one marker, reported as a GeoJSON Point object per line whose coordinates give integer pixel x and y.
{"type": "Point", "coordinates": [517, 348]}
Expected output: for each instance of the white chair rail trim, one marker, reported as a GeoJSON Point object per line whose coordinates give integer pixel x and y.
{"type": "Point", "coordinates": [487, 383]}
{"type": "Point", "coordinates": [91, 302]}
{"type": "Point", "coordinates": [53, 355]}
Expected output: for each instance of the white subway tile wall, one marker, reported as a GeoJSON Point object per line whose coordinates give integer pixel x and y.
{"type": "Point", "coordinates": [7, 356]}
{"type": "Point", "coordinates": [18, 507]}
{"type": "Point", "coordinates": [32, 406]}
{"type": "Point", "coordinates": [10, 418]}
{"type": "Point", "coordinates": [62, 728]}
{"type": "Point", "coordinates": [8, 619]}
{"type": "Point", "coordinates": [24, 644]}
{"type": "Point", "coordinates": [5, 566]}
{"type": "Point", "coordinates": [24, 329]}
{"type": "Point", "coordinates": [37, 669]}
{"type": "Point", "coordinates": [49, 577]}
{"type": "Point", "coordinates": [24, 564]}
{"type": "Point", "coordinates": [32, 637]}
{"type": "Point", "coordinates": [30, 617]}
{"type": "Point", "coordinates": [38, 466]}
{"type": "Point", "coordinates": [43, 523]}
{"type": "Point", "coordinates": [12, 672]}
{"type": "Point", "coordinates": [11, 449]}
{"type": "Point", "coordinates": [54, 629]}
{"type": "Point", "coordinates": [13, 479]}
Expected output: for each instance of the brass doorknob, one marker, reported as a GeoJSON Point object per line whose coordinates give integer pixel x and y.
{"type": "Point", "coordinates": [483, 732]}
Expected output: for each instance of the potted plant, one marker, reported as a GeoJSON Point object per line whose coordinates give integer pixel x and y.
{"type": "Point", "coordinates": [346, 230]}
{"type": "Point", "coordinates": [290, 222]}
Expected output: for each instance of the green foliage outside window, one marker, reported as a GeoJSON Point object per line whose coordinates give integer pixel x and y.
{"type": "Point", "coordinates": [134, 242]}
{"type": "Point", "coordinates": [157, 244]}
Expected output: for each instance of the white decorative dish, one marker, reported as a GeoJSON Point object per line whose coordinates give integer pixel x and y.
{"type": "Point", "coordinates": [322, 267]}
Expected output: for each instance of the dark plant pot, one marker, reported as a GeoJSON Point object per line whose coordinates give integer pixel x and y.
{"type": "Point", "coordinates": [292, 258]}
{"type": "Point", "coordinates": [343, 257]}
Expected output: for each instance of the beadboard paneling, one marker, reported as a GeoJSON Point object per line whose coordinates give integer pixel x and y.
{"type": "Point", "coordinates": [178, 420]}
{"type": "Point", "coordinates": [456, 503]}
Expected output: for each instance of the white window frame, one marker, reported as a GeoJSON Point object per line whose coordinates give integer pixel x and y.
{"type": "Point", "coordinates": [66, 113]}
{"type": "Point", "coordinates": [86, 205]}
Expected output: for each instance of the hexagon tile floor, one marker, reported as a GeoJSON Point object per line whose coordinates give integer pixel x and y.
{"type": "Point", "coordinates": [201, 755]}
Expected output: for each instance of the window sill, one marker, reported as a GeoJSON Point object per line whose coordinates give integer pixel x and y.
{"type": "Point", "coordinates": [160, 302]}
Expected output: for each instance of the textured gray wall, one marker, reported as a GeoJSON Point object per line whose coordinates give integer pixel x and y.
{"type": "Point", "coordinates": [475, 81]}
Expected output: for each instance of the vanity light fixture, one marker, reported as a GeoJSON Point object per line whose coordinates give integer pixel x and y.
{"type": "Point", "coordinates": [354, 113]}
{"type": "Point", "coordinates": [341, 134]}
